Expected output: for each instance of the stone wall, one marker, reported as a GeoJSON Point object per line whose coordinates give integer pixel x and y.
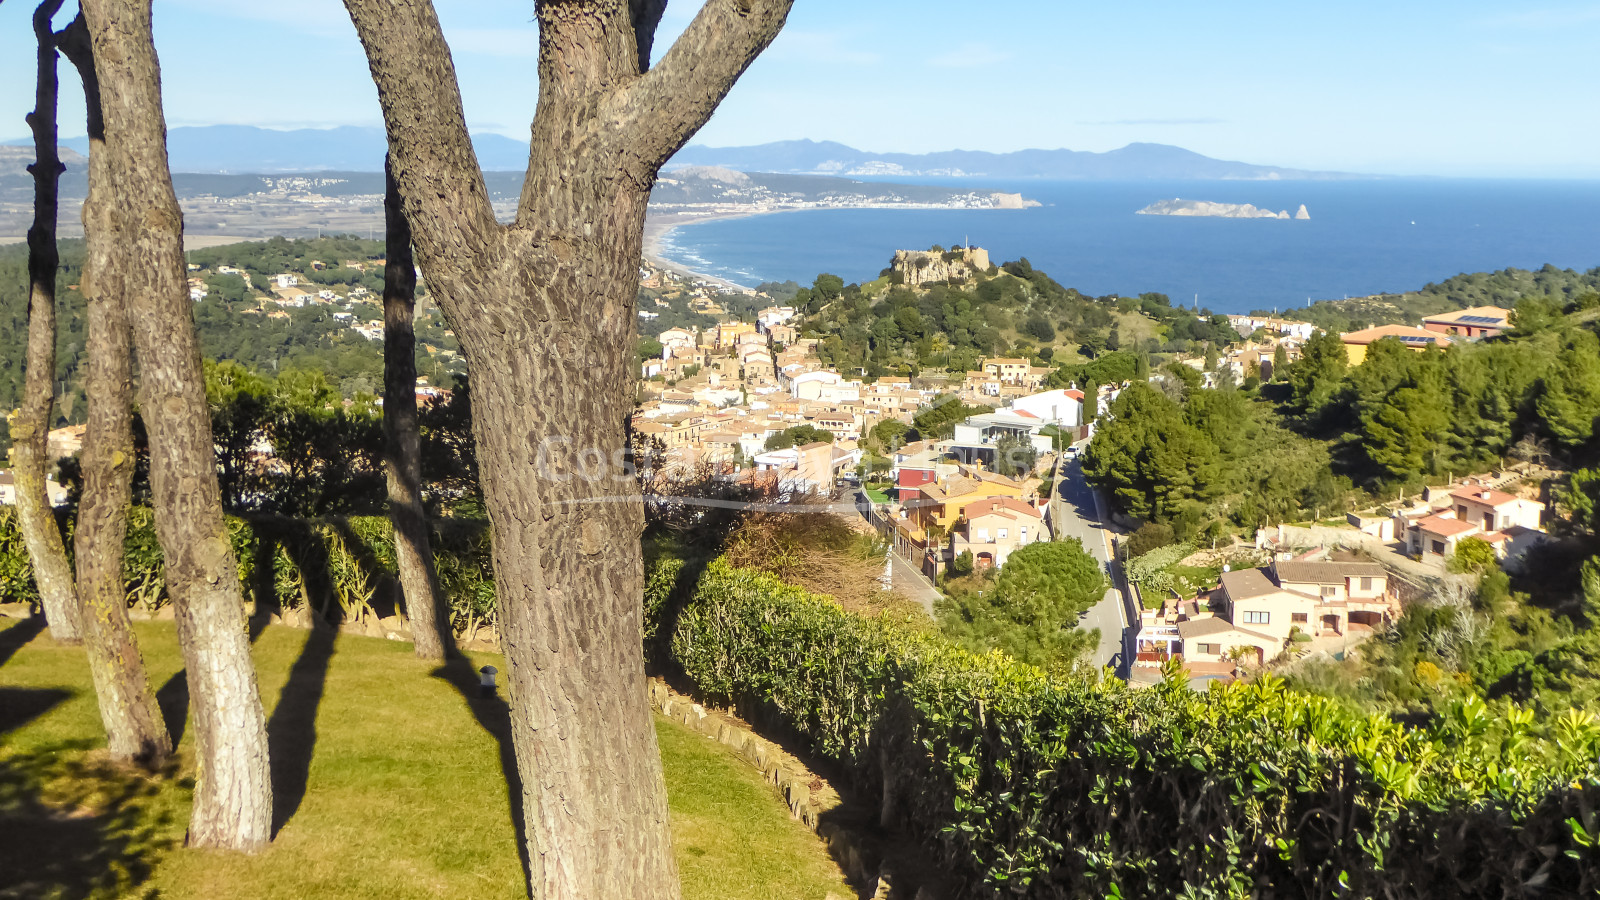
{"type": "Point", "coordinates": [921, 267]}
{"type": "Point", "coordinates": [809, 797]}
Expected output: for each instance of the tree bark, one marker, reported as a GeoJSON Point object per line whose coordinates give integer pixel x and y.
{"type": "Point", "coordinates": [31, 425]}
{"type": "Point", "coordinates": [545, 312]}
{"type": "Point", "coordinates": [135, 730]}
{"type": "Point", "coordinates": [402, 463]}
{"type": "Point", "coordinates": [233, 793]}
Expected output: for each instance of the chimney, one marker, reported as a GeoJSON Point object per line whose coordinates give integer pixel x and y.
{"type": "Point", "coordinates": [1485, 495]}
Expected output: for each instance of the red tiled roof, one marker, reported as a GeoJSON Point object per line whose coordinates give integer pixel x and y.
{"type": "Point", "coordinates": [1445, 526]}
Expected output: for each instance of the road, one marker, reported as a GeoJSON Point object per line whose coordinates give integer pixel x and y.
{"type": "Point", "coordinates": [1074, 514]}
{"type": "Point", "coordinates": [908, 581]}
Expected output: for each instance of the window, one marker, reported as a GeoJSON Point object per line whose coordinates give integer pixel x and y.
{"type": "Point", "coordinates": [1258, 618]}
{"type": "Point", "coordinates": [1002, 534]}
{"type": "Point", "coordinates": [1366, 582]}
{"type": "Point", "coordinates": [1206, 648]}
{"type": "Point", "coordinates": [983, 536]}
{"type": "Point", "coordinates": [1298, 618]}
{"type": "Point", "coordinates": [1438, 547]}
{"type": "Point", "coordinates": [1462, 512]}
{"type": "Point", "coordinates": [1329, 590]}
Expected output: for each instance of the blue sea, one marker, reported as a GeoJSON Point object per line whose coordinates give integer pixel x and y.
{"type": "Point", "coordinates": [1364, 237]}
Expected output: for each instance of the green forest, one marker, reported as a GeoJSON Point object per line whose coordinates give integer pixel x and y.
{"type": "Point", "coordinates": [310, 338]}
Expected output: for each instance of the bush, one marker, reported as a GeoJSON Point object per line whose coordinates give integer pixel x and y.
{"type": "Point", "coordinates": [335, 566]}
{"type": "Point", "coordinates": [1021, 784]}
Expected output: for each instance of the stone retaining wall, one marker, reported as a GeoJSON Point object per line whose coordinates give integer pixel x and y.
{"type": "Point", "coordinates": [808, 796]}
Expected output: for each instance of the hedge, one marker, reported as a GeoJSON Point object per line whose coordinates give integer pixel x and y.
{"type": "Point", "coordinates": [335, 566]}
{"type": "Point", "coordinates": [1026, 785]}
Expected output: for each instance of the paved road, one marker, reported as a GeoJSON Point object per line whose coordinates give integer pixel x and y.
{"type": "Point", "coordinates": [1074, 514]}
{"type": "Point", "coordinates": [908, 581]}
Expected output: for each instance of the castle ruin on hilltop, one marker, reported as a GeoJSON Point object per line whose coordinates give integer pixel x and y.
{"type": "Point", "coordinates": [919, 267]}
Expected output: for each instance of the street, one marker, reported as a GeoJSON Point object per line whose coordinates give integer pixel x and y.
{"type": "Point", "coordinates": [1073, 512]}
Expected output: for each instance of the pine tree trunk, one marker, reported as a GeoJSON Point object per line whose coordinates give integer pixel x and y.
{"type": "Point", "coordinates": [544, 309]}
{"type": "Point", "coordinates": [31, 425]}
{"type": "Point", "coordinates": [233, 794]}
{"type": "Point", "coordinates": [128, 710]}
{"type": "Point", "coordinates": [425, 607]}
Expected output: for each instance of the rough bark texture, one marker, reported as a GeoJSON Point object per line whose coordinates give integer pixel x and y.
{"type": "Point", "coordinates": [233, 793]}
{"type": "Point", "coordinates": [132, 718]}
{"type": "Point", "coordinates": [545, 312]}
{"type": "Point", "coordinates": [402, 463]}
{"type": "Point", "coordinates": [31, 424]}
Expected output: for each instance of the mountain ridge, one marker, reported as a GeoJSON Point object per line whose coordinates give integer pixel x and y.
{"type": "Point", "coordinates": [251, 149]}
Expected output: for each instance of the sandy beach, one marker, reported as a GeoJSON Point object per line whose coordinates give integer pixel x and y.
{"type": "Point", "coordinates": [658, 225]}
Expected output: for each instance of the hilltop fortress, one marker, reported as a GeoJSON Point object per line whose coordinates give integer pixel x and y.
{"type": "Point", "coordinates": [920, 267]}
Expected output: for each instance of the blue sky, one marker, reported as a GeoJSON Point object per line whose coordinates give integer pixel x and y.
{"type": "Point", "coordinates": [1411, 87]}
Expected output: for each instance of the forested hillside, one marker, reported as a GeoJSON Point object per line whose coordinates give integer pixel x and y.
{"type": "Point", "coordinates": [239, 322]}
{"type": "Point", "coordinates": [1506, 288]}
{"type": "Point", "coordinates": [888, 328]}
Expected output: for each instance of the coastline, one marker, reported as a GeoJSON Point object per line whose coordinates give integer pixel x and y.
{"type": "Point", "coordinates": [658, 225]}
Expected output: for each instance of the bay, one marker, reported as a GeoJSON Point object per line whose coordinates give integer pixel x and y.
{"type": "Point", "coordinates": [1363, 237]}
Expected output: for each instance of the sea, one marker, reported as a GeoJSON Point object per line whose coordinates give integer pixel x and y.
{"type": "Point", "coordinates": [1364, 236]}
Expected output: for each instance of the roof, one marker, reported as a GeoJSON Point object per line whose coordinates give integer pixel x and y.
{"type": "Point", "coordinates": [1192, 628]}
{"type": "Point", "coordinates": [1001, 504]}
{"type": "Point", "coordinates": [1445, 526]}
{"type": "Point", "coordinates": [1326, 572]}
{"type": "Point", "coordinates": [1484, 316]}
{"type": "Point", "coordinates": [1476, 494]}
{"type": "Point", "coordinates": [1247, 583]}
{"type": "Point", "coordinates": [1406, 333]}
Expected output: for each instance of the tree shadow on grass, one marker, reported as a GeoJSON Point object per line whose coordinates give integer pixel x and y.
{"type": "Point", "coordinates": [292, 730]}
{"type": "Point", "coordinates": [17, 636]}
{"type": "Point", "coordinates": [76, 826]}
{"type": "Point", "coordinates": [19, 706]}
{"type": "Point", "coordinates": [494, 716]}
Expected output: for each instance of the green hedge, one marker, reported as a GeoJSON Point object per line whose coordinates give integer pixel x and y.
{"type": "Point", "coordinates": [1027, 785]}
{"type": "Point", "coordinates": [335, 566]}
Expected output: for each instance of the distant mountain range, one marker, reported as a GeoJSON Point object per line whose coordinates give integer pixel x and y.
{"type": "Point", "coordinates": [246, 148]}
{"type": "Point", "coordinates": [1134, 161]}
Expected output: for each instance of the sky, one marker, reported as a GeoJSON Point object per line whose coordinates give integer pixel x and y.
{"type": "Point", "coordinates": [1415, 87]}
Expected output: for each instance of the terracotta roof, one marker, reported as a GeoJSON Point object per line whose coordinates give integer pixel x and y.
{"type": "Point", "coordinates": [1476, 494]}
{"type": "Point", "coordinates": [1445, 526]}
{"type": "Point", "coordinates": [998, 504]}
{"type": "Point", "coordinates": [1481, 312]}
{"type": "Point", "coordinates": [1403, 332]}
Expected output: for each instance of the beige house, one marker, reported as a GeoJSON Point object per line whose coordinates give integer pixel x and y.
{"type": "Point", "coordinates": [1495, 510]}
{"type": "Point", "coordinates": [990, 529]}
{"type": "Point", "coordinates": [1323, 597]}
{"type": "Point", "coordinates": [1211, 639]}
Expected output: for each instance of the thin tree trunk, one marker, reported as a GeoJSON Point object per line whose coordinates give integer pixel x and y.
{"type": "Point", "coordinates": [128, 709]}
{"type": "Point", "coordinates": [233, 793]}
{"type": "Point", "coordinates": [31, 426]}
{"type": "Point", "coordinates": [402, 461]}
{"type": "Point", "coordinates": [545, 312]}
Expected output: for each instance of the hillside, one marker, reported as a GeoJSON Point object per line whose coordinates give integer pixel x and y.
{"type": "Point", "coordinates": [1504, 288]}
{"type": "Point", "coordinates": [242, 321]}
{"type": "Point", "coordinates": [901, 323]}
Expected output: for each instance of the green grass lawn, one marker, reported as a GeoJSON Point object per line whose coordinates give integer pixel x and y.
{"type": "Point", "coordinates": [389, 784]}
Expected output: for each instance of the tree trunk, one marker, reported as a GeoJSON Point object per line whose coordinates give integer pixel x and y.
{"type": "Point", "coordinates": [402, 462]}
{"type": "Point", "coordinates": [545, 312]}
{"type": "Point", "coordinates": [128, 710]}
{"type": "Point", "coordinates": [233, 794]}
{"type": "Point", "coordinates": [31, 425]}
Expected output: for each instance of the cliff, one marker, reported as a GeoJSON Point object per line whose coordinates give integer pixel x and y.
{"type": "Point", "coordinates": [920, 267]}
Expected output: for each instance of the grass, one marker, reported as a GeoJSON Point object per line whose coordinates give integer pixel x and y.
{"type": "Point", "coordinates": [389, 783]}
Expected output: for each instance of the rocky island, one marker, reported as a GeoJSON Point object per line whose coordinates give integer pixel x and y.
{"type": "Point", "coordinates": [1180, 207]}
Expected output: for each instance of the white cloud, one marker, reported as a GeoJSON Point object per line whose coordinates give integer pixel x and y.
{"type": "Point", "coordinates": [970, 56]}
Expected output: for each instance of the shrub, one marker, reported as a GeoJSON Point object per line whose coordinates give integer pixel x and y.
{"type": "Point", "coordinates": [1022, 784]}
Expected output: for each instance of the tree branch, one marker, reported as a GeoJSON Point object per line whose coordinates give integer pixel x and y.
{"type": "Point", "coordinates": [663, 108]}
{"type": "Point", "coordinates": [434, 161]}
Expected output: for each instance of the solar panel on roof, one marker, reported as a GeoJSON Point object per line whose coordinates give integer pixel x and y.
{"type": "Point", "coordinates": [1478, 320]}
{"type": "Point", "coordinates": [1415, 339]}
